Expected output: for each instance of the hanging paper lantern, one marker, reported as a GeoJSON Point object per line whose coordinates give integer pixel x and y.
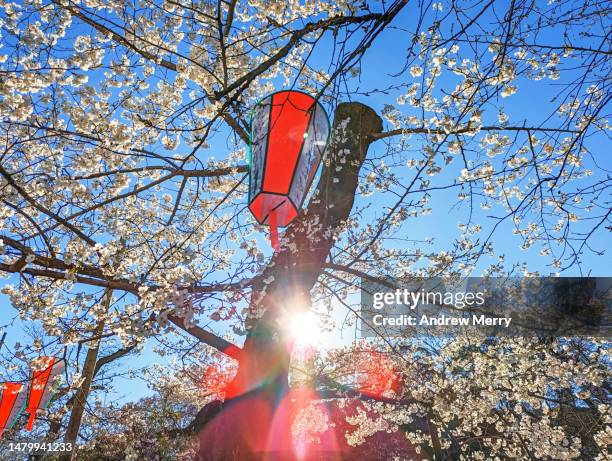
{"type": "Point", "coordinates": [45, 375]}
{"type": "Point", "coordinates": [289, 132]}
{"type": "Point", "coordinates": [12, 401]}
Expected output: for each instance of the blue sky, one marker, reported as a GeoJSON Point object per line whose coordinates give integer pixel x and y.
{"type": "Point", "coordinates": [532, 105]}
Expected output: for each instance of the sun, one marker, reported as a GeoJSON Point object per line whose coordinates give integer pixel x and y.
{"type": "Point", "coordinates": [305, 329]}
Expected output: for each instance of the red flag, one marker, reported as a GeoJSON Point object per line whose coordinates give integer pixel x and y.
{"type": "Point", "coordinates": [12, 401]}
{"type": "Point", "coordinates": [44, 379]}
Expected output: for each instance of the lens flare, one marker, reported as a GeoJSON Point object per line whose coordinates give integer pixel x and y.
{"type": "Point", "coordinates": [305, 329]}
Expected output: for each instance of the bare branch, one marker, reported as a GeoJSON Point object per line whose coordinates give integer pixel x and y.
{"type": "Point", "coordinates": [207, 337]}
{"type": "Point", "coordinates": [405, 131]}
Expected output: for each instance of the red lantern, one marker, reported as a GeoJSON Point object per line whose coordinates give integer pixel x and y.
{"type": "Point", "coordinates": [289, 132]}
{"type": "Point", "coordinates": [45, 373]}
{"type": "Point", "coordinates": [12, 401]}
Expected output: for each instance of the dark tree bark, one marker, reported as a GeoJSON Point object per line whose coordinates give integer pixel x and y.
{"type": "Point", "coordinates": [255, 419]}
{"type": "Point", "coordinates": [89, 372]}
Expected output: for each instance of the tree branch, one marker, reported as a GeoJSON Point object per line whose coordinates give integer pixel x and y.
{"type": "Point", "coordinates": [61, 221]}
{"type": "Point", "coordinates": [358, 273]}
{"type": "Point", "coordinates": [112, 357]}
{"type": "Point", "coordinates": [222, 345]}
{"type": "Point", "coordinates": [402, 131]}
{"type": "Point", "coordinates": [120, 39]}
{"type": "Point", "coordinates": [296, 36]}
{"type": "Point", "coordinates": [75, 11]}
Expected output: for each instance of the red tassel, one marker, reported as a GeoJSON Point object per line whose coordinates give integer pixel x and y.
{"type": "Point", "coordinates": [273, 230]}
{"type": "Point", "coordinates": [31, 420]}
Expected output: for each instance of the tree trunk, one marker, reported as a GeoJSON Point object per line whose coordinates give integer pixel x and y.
{"type": "Point", "coordinates": [80, 398]}
{"type": "Point", "coordinates": [254, 422]}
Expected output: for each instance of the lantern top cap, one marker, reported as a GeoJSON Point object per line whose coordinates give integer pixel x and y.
{"type": "Point", "coordinates": [315, 102]}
